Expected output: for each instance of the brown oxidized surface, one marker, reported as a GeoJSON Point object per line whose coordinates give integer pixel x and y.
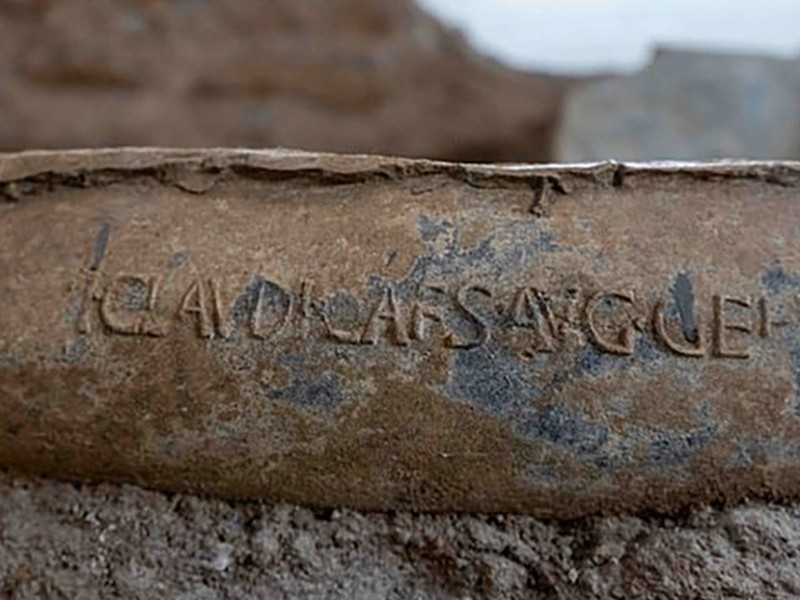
{"type": "Point", "coordinates": [395, 334]}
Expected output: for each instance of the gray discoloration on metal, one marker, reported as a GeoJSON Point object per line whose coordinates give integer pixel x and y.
{"type": "Point", "coordinates": [311, 328]}
{"type": "Point", "coordinates": [100, 247]}
{"type": "Point", "coordinates": [684, 298]}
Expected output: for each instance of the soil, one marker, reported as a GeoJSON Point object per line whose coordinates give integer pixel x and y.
{"type": "Point", "coordinates": [59, 540]}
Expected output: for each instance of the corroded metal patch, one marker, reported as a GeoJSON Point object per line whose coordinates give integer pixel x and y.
{"type": "Point", "coordinates": [395, 334]}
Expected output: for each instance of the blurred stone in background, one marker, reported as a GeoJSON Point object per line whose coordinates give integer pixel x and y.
{"type": "Point", "coordinates": [687, 105]}
{"type": "Point", "coordinates": [360, 76]}
{"type": "Point", "coordinates": [337, 75]}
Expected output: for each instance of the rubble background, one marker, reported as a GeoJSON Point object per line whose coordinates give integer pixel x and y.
{"type": "Point", "coordinates": [687, 105]}
{"type": "Point", "coordinates": [361, 76]}
{"type": "Point", "coordinates": [58, 540]}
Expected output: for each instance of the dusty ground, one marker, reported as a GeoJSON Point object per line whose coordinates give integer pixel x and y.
{"type": "Point", "coordinates": [59, 540]}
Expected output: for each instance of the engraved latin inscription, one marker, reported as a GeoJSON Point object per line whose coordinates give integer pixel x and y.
{"type": "Point", "coordinates": [531, 308]}
{"type": "Point", "coordinates": [723, 328]}
{"type": "Point", "coordinates": [195, 308]}
{"type": "Point", "coordinates": [128, 305]}
{"type": "Point", "coordinates": [457, 317]}
{"type": "Point", "coordinates": [681, 347]}
{"type": "Point", "coordinates": [620, 343]}
{"type": "Point", "coordinates": [387, 312]}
